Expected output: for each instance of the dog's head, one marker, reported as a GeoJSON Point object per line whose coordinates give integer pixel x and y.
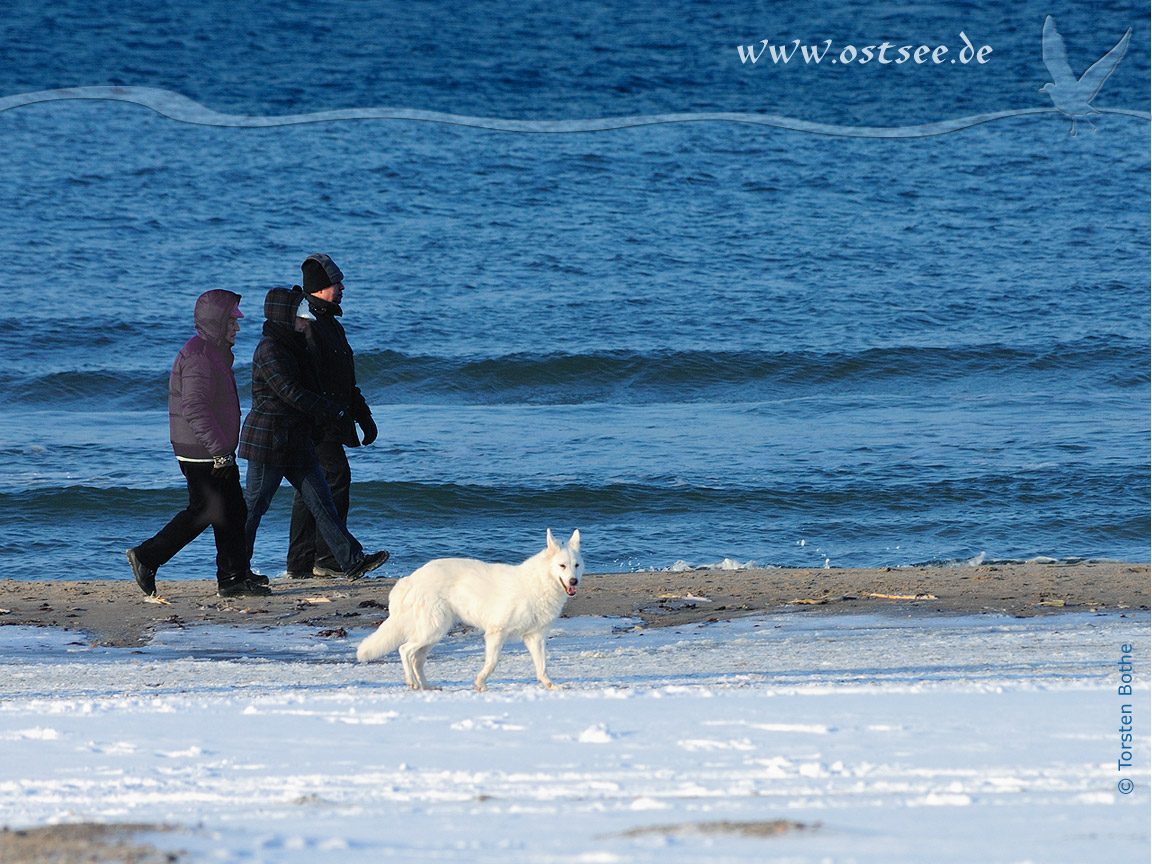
{"type": "Point", "coordinates": [565, 564]}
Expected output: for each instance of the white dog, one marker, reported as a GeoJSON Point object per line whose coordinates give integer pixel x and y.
{"type": "Point", "coordinates": [504, 601]}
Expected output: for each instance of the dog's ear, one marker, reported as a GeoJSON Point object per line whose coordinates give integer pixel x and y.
{"type": "Point", "coordinates": [574, 541]}
{"type": "Point", "coordinates": [552, 544]}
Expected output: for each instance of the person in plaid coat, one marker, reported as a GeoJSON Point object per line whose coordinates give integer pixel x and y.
{"type": "Point", "coordinates": [277, 438]}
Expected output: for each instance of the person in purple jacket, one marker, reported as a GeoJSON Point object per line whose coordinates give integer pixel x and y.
{"type": "Point", "coordinates": [204, 422]}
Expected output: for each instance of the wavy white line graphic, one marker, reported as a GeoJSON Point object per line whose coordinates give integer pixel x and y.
{"type": "Point", "coordinates": [176, 106]}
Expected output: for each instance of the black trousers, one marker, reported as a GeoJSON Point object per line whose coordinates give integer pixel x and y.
{"type": "Point", "coordinates": [215, 501]}
{"type": "Point", "coordinates": [305, 545]}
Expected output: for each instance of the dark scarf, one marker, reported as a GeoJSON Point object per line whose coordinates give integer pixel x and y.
{"type": "Point", "coordinates": [321, 308]}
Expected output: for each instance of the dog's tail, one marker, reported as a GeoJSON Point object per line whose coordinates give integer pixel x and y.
{"type": "Point", "coordinates": [390, 634]}
{"type": "Point", "coordinates": [386, 638]}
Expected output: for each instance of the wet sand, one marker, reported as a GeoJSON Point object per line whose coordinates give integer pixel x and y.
{"type": "Point", "coordinates": [83, 843]}
{"type": "Point", "coordinates": [115, 613]}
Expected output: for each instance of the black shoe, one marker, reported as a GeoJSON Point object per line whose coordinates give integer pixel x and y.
{"type": "Point", "coordinates": [367, 564]}
{"type": "Point", "coordinates": [327, 572]}
{"type": "Point", "coordinates": [242, 588]}
{"type": "Point", "coordinates": [145, 576]}
{"type": "Point", "coordinates": [299, 574]}
{"type": "Point", "coordinates": [257, 578]}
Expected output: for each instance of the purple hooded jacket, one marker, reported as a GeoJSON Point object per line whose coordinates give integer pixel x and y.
{"type": "Point", "coordinates": [203, 406]}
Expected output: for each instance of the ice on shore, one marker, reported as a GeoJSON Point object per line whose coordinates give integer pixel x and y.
{"type": "Point", "coordinates": [785, 738]}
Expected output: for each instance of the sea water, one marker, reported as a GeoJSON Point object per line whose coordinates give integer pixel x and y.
{"type": "Point", "coordinates": [698, 341]}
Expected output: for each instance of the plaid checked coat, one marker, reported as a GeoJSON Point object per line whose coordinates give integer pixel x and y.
{"type": "Point", "coordinates": [286, 404]}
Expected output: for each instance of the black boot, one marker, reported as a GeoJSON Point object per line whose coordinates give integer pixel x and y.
{"type": "Point", "coordinates": [257, 578]}
{"type": "Point", "coordinates": [145, 576]}
{"type": "Point", "coordinates": [367, 564]}
{"type": "Point", "coordinates": [241, 586]}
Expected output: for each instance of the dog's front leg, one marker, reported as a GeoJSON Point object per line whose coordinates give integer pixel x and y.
{"type": "Point", "coordinates": [534, 642]}
{"type": "Point", "coordinates": [493, 642]}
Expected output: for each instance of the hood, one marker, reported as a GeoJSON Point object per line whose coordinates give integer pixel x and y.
{"type": "Point", "coordinates": [280, 306]}
{"type": "Point", "coordinates": [213, 309]}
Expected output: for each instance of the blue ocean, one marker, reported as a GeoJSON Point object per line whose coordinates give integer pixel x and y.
{"type": "Point", "coordinates": [588, 286]}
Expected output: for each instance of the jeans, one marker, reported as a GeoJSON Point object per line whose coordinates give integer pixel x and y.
{"type": "Point", "coordinates": [212, 500]}
{"type": "Point", "coordinates": [262, 482]}
{"type": "Point", "coordinates": [306, 546]}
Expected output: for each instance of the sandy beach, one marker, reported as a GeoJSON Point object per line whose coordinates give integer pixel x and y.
{"type": "Point", "coordinates": [114, 613]}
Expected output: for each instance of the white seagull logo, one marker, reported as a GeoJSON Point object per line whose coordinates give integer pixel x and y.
{"type": "Point", "coordinates": [1069, 95]}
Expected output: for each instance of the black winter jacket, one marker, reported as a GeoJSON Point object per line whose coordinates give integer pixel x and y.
{"type": "Point", "coordinates": [336, 368]}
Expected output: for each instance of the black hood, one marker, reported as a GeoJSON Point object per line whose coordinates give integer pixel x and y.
{"type": "Point", "coordinates": [280, 306]}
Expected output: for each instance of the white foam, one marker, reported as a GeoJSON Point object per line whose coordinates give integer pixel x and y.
{"type": "Point", "coordinates": [730, 564]}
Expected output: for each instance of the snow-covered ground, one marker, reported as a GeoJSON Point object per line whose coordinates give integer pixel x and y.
{"type": "Point", "coordinates": [790, 738]}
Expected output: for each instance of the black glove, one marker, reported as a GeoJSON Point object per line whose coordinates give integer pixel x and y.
{"type": "Point", "coordinates": [368, 425]}
{"type": "Point", "coordinates": [223, 466]}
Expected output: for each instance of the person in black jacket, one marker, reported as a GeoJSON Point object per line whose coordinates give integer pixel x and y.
{"type": "Point", "coordinates": [277, 438]}
{"type": "Point", "coordinates": [308, 554]}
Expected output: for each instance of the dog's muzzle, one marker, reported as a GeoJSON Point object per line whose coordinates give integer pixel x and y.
{"type": "Point", "coordinates": [570, 585]}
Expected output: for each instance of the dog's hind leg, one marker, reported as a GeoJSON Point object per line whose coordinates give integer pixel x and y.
{"type": "Point", "coordinates": [407, 652]}
{"type": "Point", "coordinates": [493, 642]}
{"type": "Point", "coordinates": [534, 642]}
{"type": "Point", "coordinates": [413, 655]}
{"type": "Point", "coordinates": [430, 629]}
{"type": "Point", "coordinates": [418, 658]}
